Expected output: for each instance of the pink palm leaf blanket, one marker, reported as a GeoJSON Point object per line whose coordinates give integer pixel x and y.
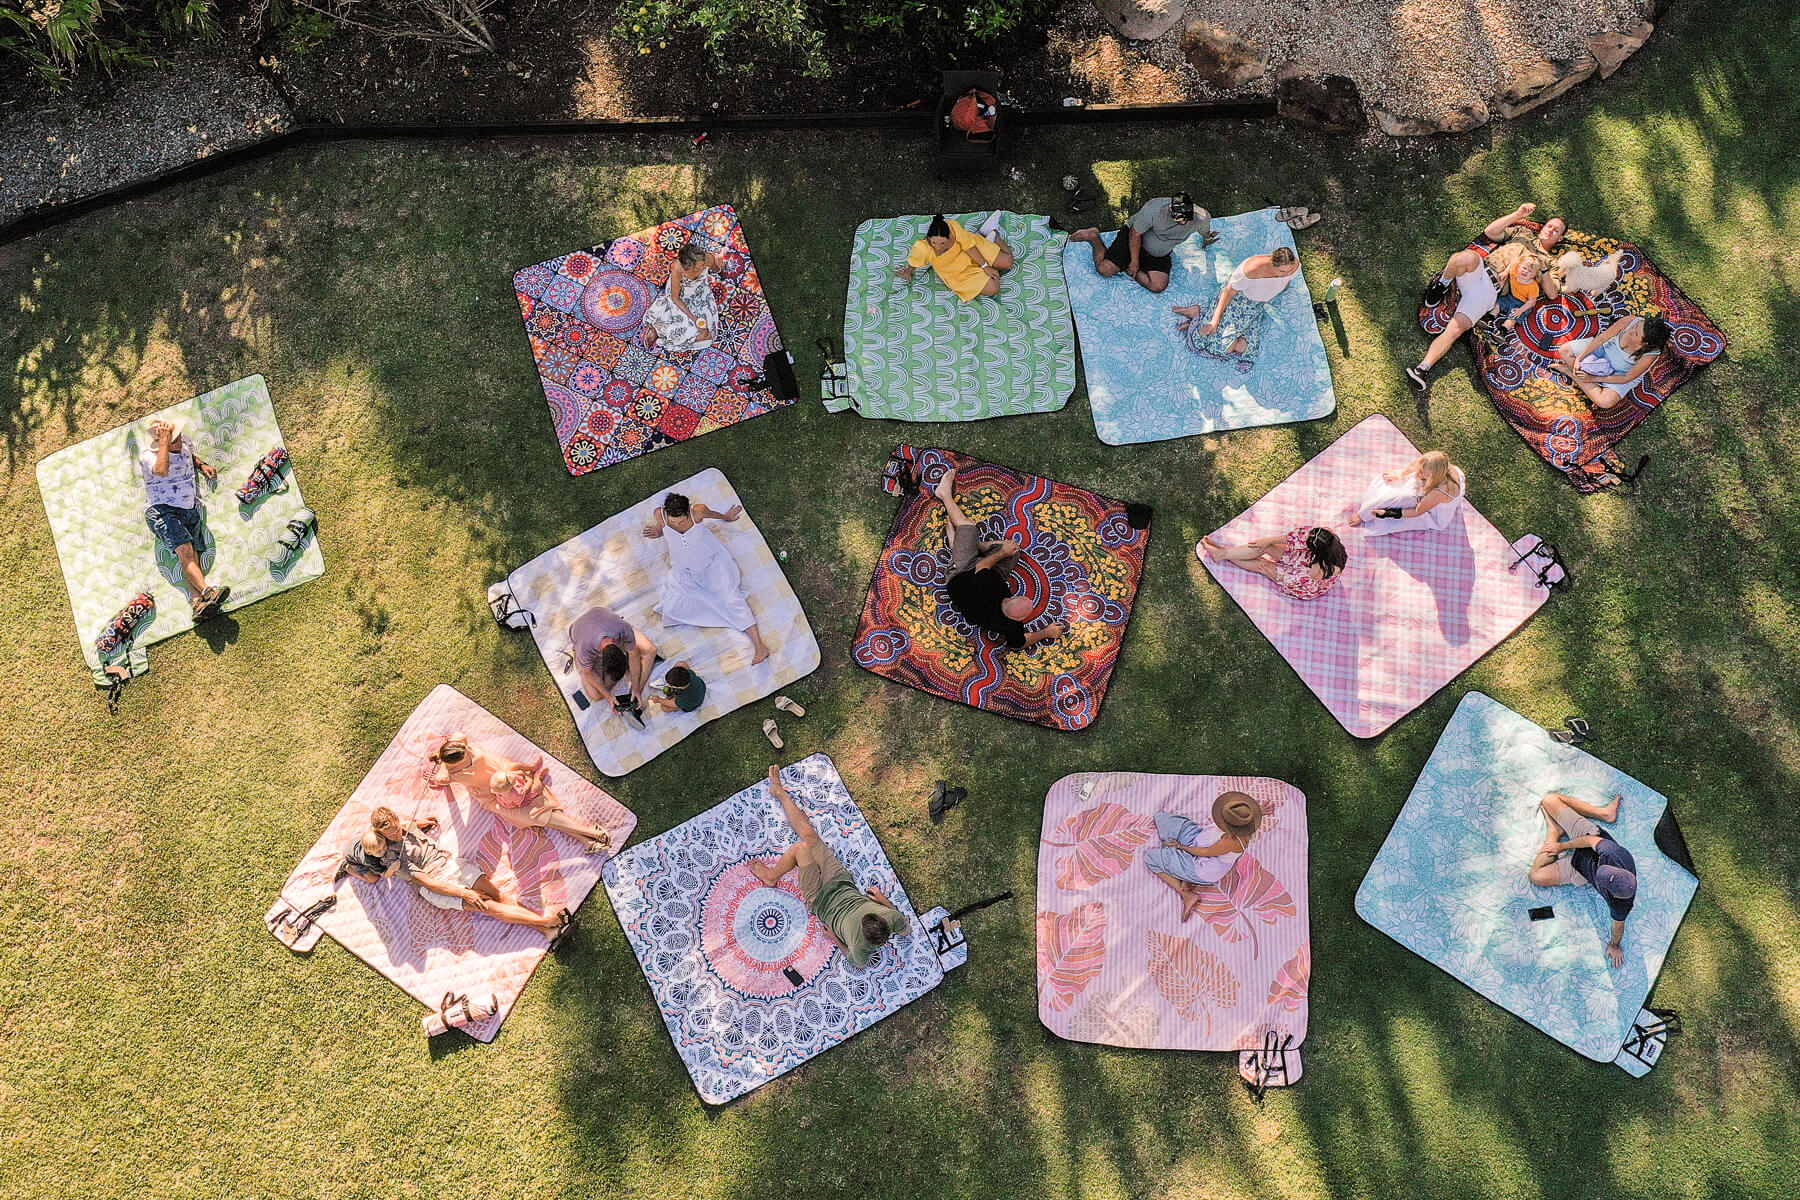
{"type": "Point", "coordinates": [1413, 610]}
{"type": "Point", "coordinates": [1118, 965]}
{"type": "Point", "coordinates": [430, 952]}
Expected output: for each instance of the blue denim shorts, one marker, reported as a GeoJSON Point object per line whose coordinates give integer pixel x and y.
{"type": "Point", "coordinates": [175, 527]}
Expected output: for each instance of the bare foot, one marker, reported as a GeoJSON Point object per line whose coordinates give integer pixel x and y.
{"type": "Point", "coordinates": [649, 338]}
{"type": "Point", "coordinates": [1085, 235]}
{"type": "Point", "coordinates": [762, 652]}
{"type": "Point", "coordinates": [946, 487]}
{"type": "Point", "coordinates": [1208, 545]}
{"type": "Point", "coordinates": [764, 872]}
{"type": "Point", "coordinates": [1610, 813]}
{"type": "Point", "coordinates": [1189, 902]}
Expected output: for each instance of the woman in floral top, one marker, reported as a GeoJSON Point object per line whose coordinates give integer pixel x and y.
{"type": "Point", "coordinates": [1305, 563]}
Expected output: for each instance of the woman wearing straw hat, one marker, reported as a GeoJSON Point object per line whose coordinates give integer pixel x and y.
{"type": "Point", "coordinates": [1189, 853]}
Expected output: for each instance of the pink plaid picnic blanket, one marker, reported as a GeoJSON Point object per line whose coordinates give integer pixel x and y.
{"type": "Point", "coordinates": [1116, 962]}
{"type": "Point", "coordinates": [1413, 611]}
{"type": "Point", "coordinates": [432, 952]}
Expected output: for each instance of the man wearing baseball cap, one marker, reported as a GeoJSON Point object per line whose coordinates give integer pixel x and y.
{"type": "Point", "coordinates": [1144, 250]}
{"type": "Point", "coordinates": [168, 468]}
{"type": "Point", "coordinates": [1588, 856]}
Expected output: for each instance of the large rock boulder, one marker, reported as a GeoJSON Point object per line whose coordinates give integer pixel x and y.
{"type": "Point", "coordinates": [1611, 50]}
{"type": "Point", "coordinates": [1221, 57]}
{"type": "Point", "coordinates": [1460, 119]}
{"type": "Point", "coordinates": [1322, 101]}
{"type": "Point", "coordinates": [1541, 82]}
{"type": "Point", "coordinates": [1141, 20]}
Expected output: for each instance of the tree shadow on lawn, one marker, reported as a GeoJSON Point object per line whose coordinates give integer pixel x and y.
{"type": "Point", "coordinates": [387, 323]}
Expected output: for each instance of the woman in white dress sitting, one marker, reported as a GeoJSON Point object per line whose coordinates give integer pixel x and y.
{"type": "Point", "coordinates": [1427, 493]}
{"type": "Point", "coordinates": [686, 316]}
{"type": "Point", "coordinates": [1235, 330]}
{"type": "Point", "coordinates": [704, 586]}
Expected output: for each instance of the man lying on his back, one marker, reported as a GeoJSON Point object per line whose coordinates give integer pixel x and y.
{"type": "Point", "coordinates": [168, 468]}
{"type": "Point", "coordinates": [391, 846]}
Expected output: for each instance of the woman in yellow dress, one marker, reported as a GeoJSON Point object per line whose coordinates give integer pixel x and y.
{"type": "Point", "coordinates": [968, 263]}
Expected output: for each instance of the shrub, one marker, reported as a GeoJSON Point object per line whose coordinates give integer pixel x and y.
{"type": "Point", "coordinates": [740, 34]}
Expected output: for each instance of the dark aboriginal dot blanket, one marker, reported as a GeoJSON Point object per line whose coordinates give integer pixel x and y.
{"type": "Point", "coordinates": [1540, 403]}
{"type": "Point", "coordinates": [1080, 566]}
{"type": "Point", "coordinates": [611, 398]}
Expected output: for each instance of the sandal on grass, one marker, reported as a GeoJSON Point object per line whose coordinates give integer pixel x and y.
{"type": "Point", "coordinates": [1306, 221]}
{"type": "Point", "coordinates": [565, 925]}
{"type": "Point", "coordinates": [770, 732]}
{"type": "Point", "coordinates": [949, 800]}
{"type": "Point", "coordinates": [786, 705]}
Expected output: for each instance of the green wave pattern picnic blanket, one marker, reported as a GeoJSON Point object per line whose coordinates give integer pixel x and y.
{"type": "Point", "coordinates": [96, 501]}
{"type": "Point", "coordinates": [914, 352]}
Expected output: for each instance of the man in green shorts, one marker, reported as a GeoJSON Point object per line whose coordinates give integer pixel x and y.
{"type": "Point", "coordinates": [861, 922]}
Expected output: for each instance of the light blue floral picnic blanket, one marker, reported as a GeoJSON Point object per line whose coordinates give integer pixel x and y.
{"type": "Point", "coordinates": [1450, 881]}
{"type": "Point", "coordinates": [1145, 385]}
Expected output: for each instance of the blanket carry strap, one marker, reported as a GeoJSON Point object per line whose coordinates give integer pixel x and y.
{"type": "Point", "coordinates": [834, 378]}
{"type": "Point", "coordinates": [1269, 1067]}
{"type": "Point", "coordinates": [1544, 561]}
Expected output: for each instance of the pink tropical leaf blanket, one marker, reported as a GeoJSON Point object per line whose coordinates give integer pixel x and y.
{"type": "Point", "coordinates": [431, 952]}
{"type": "Point", "coordinates": [1411, 612]}
{"type": "Point", "coordinates": [1117, 962]}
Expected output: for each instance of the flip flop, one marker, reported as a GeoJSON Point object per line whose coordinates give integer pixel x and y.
{"type": "Point", "coordinates": [935, 805]}
{"type": "Point", "coordinates": [952, 798]}
{"type": "Point", "coordinates": [774, 737]}
{"type": "Point", "coordinates": [786, 705]}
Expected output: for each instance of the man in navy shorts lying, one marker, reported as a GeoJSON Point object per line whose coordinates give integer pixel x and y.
{"type": "Point", "coordinates": [169, 467]}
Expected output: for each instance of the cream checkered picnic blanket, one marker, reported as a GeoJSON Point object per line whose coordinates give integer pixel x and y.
{"type": "Point", "coordinates": [613, 565]}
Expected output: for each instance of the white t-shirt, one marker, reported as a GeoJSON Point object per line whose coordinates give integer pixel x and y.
{"type": "Point", "coordinates": [177, 488]}
{"type": "Point", "coordinates": [1257, 287]}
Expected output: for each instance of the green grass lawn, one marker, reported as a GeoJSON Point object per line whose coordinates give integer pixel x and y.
{"type": "Point", "coordinates": [154, 1042]}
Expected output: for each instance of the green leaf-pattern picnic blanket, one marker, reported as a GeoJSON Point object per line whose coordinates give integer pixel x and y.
{"type": "Point", "coordinates": [914, 352]}
{"type": "Point", "coordinates": [96, 502]}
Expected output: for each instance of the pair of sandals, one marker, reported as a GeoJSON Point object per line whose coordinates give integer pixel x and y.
{"type": "Point", "coordinates": [943, 799]}
{"type": "Point", "coordinates": [1297, 217]}
{"type": "Point", "coordinates": [1578, 731]}
{"type": "Point", "coordinates": [769, 728]}
{"type": "Point", "coordinates": [210, 603]}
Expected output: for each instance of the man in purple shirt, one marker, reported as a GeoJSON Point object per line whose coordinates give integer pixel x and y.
{"type": "Point", "coordinates": [608, 652]}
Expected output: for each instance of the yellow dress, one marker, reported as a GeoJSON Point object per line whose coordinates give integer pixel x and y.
{"type": "Point", "coordinates": [960, 271]}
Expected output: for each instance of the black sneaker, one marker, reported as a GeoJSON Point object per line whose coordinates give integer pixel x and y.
{"type": "Point", "coordinates": [1419, 379]}
{"type": "Point", "coordinates": [1436, 292]}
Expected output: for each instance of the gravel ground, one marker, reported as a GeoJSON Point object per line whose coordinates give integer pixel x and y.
{"type": "Point", "coordinates": [112, 132]}
{"type": "Point", "coordinates": [1415, 58]}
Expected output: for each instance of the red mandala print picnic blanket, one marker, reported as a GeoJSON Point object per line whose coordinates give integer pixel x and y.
{"type": "Point", "coordinates": [1540, 403]}
{"type": "Point", "coordinates": [1080, 566]}
{"type": "Point", "coordinates": [610, 397]}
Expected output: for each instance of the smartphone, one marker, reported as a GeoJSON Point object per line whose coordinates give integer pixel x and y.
{"type": "Point", "coordinates": [794, 977]}
{"type": "Point", "coordinates": [1542, 913]}
{"type": "Point", "coordinates": [580, 698]}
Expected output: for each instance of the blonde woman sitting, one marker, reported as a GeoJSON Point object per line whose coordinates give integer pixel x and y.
{"type": "Point", "coordinates": [518, 794]}
{"type": "Point", "coordinates": [1234, 332]}
{"type": "Point", "coordinates": [1427, 493]}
